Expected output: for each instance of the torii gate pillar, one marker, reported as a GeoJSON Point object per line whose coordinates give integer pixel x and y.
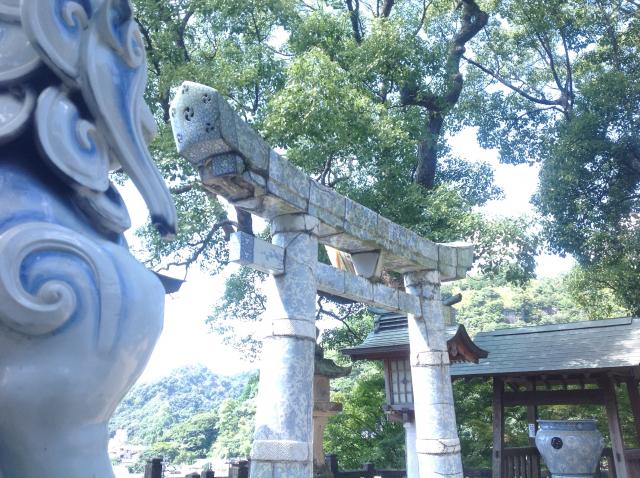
{"type": "Point", "coordinates": [437, 444]}
{"type": "Point", "coordinates": [282, 446]}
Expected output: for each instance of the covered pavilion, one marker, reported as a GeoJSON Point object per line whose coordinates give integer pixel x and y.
{"type": "Point", "coordinates": [562, 364]}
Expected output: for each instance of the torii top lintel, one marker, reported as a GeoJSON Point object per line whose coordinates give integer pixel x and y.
{"type": "Point", "coordinates": [236, 163]}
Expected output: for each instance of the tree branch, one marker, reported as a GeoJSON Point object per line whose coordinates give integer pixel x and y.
{"type": "Point", "coordinates": [425, 7]}
{"type": "Point", "coordinates": [185, 188]}
{"type": "Point", "coordinates": [567, 63]}
{"type": "Point", "coordinates": [151, 53]}
{"type": "Point", "coordinates": [552, 63]}
{"type": "Point", "coordinates": [386, 8]}
{"type": "Point", "coordinates": [511, 86]}
{"type": "Point", "coordinates": [410, 96]}
{"type": "Point", "coordinates": [226, 225]}
{"type": "Point", "coordinates": [182, 29]}
{"type": "Point", "coordinates": [256, 99]}
{"type": "Point", "coordinates": [473, 20]}
{"type": "Point", "coordinates": [343, 319]}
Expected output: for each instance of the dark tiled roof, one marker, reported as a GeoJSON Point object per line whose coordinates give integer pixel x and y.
{"type": "Point", "coordinates": [597, 344]}
{"type": "Point", "coordinates": [390, 335]}
{"type": "Point", "coordinates": [389, 331]}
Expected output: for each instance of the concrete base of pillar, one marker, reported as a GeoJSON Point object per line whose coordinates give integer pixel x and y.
{"type": "Point", "coordinates": [269, 469]}
{"type": "Point", "coordinates": [442, 466]}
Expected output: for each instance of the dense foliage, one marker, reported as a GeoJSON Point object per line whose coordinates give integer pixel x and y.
{"type": "Point", "coordinates": [557, 82]}
{"type": "Point", "coordinates": [361, 433]}
{"type": "Point", "coordinates": [151, 411]}
{"type": "Point", "coordinates": [361, 96]}
{"type": "Point", "coordinates": [493, 304]}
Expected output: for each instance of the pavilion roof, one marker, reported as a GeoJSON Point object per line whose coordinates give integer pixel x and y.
{"type": "Point", "coordinates": [576, 346]}
{"type": "Point", "coordinates": [544, 349]}
{"type": "Point", "coordinates": [390, 337]}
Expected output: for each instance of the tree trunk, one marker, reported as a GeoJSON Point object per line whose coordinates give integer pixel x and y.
{"type": "Point", "coordinates": [440, 105]}
{"type": "Point", "coordinates": [428, 152]}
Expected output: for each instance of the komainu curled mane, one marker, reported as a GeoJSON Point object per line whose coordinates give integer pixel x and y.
{"type": "Point", "coordinates": [79, 316]}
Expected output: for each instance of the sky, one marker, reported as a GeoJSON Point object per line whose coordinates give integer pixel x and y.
{"type": "Point", "coordinates": [186, 339]}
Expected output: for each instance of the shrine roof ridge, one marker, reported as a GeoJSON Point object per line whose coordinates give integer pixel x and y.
{"type": "Point", "coordinates": [235, 162]}
{"type": "Point", "coordinates": [585, 324]}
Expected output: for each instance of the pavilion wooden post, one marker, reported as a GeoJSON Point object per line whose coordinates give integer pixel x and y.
{"type": "Point", "coordinates": [532, 419]}
{"type": "Point", "coordinates": [498, 427]}
{"type": "Point", "coordinates": [532, 414]}
{"type": "Point", "coordinates": [634, 399]}
{"type": "Point", "coordinates": [615, 431]}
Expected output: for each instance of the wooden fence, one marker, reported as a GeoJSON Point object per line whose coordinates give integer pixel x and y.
{"type": "Point", "coordinates": [521, 462]}
{"type": "Point", "coordinates": [477, 472]}
{"type": "Point", "coordinates": [633, 461]}
{"type": "Point", "coordinates": [239, 469]}
{"type": "Point", "coordinates": [517, 463]}
{"type": "Point", "coordinates": [155, 469]}
{"type": "Point", "coordinates": [368, 470]}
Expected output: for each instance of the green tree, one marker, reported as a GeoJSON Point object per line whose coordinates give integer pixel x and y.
{"type": "Point", "coordinates": [361, 433]}
{"type": "Point", "coordinates": [194, 437]}
{"type": "Point", "coordinates": [235, 315]}
{"type": "Point", "coordinates": [486, 311]}
{"type": "Point", "coordinates": [556, 82]}
{"type": "Point", "coordinates": [223, 44]}
{"type": "Point", "coordinates": [359, 95]}
{"type": "Point", "coordinates": [473, 412]}
{"type": "Point", "coordinates": [236, 424]}
{"type": "Point", "coordinates": [593, 294]}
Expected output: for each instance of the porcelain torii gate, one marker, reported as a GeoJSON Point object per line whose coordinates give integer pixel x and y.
{"type": "Point", "coordinates": [236, 163]}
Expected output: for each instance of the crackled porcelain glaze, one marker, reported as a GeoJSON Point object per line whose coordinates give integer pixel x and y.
{"type": "Point", "coordinates": [570, 448]}
{"type": "Point", "coordinates": [79, 316]}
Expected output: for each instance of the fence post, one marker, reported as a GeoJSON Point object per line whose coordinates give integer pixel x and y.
{"type": "Point", "coordinates": [243, 469]}
{"type": "Point", "coordinates": [332, 464]}
{"type": "Point", "coordinates": [369, 470]}
{"type": "Point", "coordinates": [153, 468]}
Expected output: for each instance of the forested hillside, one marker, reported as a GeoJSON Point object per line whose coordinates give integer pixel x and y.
{"type": "Point", "coordinates": [489, 304]}
{"type": "Point", "coordinates": [187, 398]}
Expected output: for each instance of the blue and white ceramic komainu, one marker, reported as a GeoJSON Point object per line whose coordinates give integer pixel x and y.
{"type": "Point", "coordinates": [79, 316]}
{"type": "Point", "coordinates": [570, 448]}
